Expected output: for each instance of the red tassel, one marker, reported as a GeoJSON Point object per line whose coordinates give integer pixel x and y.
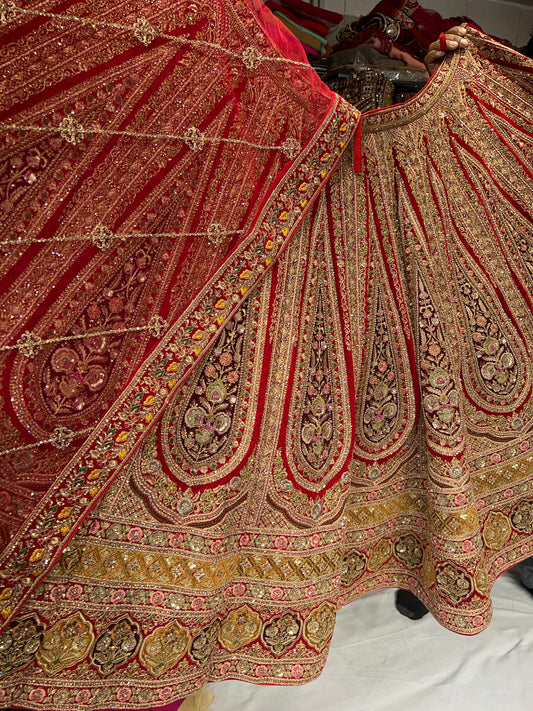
{"type": "Point", "coordinates": [358, 148]}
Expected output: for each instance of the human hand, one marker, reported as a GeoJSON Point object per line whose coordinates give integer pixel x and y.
{"type": "Point", "coordinates": [455, 39]}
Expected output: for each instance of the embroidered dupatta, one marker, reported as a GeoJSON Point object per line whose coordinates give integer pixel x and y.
{"type": "Point", "coordinates": [341, 399]}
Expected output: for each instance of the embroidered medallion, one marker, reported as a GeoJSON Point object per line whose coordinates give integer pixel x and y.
{"type": "Point", "coordinates": [65, 644]}
{"type": "Point", "coordinates": [19, 643]}
{"type": "Point", "coordinates": [281, 633]}
{"type": "Point", "coordinates": [163, 648]}
{"type": "Point", "coordinates": [116, 645]}
{"type": "Point", "coordinates": [240, 628]}
{"type": "Point", "coordinates": [318, 627]}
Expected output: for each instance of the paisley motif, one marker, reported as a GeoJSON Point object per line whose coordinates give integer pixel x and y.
{"type": "Point", "coordinates": [381, 408]}
{"type": "Point", "coordinates": [317, 426]}
{"type": "Point", "coordinates": [206, 421]}
{"type": "Point", "coordinates": [497, 369]}
{"type": "Point", "coordinates": [318, 419]}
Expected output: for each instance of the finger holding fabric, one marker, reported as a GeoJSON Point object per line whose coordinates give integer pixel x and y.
{"type": "Point", "coordinates": [447, 42]}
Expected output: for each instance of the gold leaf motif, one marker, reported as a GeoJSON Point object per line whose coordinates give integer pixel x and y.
{"type": "Point", "coordinates": [251, 58]}
{"type": "Point", "coordinates": [497, 530]}
{"type": "Point", "coordinates": [240, 628]}
{"type": "Point", "coordinates": [65, 644]}
{"type": "Point", "coordinates": [144, 31]}
{"type": "Point", "coordinates": [71, 130]}
{"type": "Point", "coordinates": [164, 648]}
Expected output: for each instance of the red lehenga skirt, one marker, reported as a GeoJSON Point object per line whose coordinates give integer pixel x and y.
{"type": "Point", "coordinates": [258, 358]}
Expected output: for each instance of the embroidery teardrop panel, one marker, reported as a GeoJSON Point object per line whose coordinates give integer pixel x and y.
{"type": "Point", "coordinates": [317, 436]}
{"type": "Point", "coordinates": [496, 373]}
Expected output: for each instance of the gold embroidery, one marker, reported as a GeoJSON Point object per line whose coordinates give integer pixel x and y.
{"type": "Point", "coordinates": [497, 530]}
{"type": "Point", "coordinates": [164, 648]}
{"type": "Point", "coordinates": [240, 628]}
{"type": "Point", "coordinates": [65, 644]}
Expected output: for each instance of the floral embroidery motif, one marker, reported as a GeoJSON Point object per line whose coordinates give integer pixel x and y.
{"type": "Point", "coordinates": [164, 648]}
{"type": "Point", "coordinates": [281, 633]}
{"type": "Point", "coordinates": [354, 565]}
{"type": "Point", "coordinates": [497, 364]}
{"type": "Point", "coordinates": [194, 138]}
{"type": "Point", "coordinates": [102, 236]}
{"type": "Point", "coordinates": [65, 644]}
{"type": "Point", "coordinates": [318, 627]}
{"type": "Point", "coordinates": [71, 130]}
{"type": "Point", "coordinates": [522, 516]}
{"type": "Point", "coordinates": [61, 437]}
{"type": "Point", "coordinates": [318, 423]}
{"type": "Point", "coordinates": [440, 398]}
{"type": "Point", "coordinates": [144, 31]}
{"type": "Point", "coordinates": [454, 583]}
{"type": "Point", "coordinates": [29, 344]}
{"type": "Point", "coordinates": [290, 147]}
{"type": "Point", "coordinates": [381, 409]}
{"type": "Point", "coordinates": [203, 644]}
{"type": "Point", "coordinates": [497, 530]}
{"type": "Point", "coordinates": [206, 426]}
{"type": "Point", "coordinates": [409, 550]}
{"type": "Point", "coordinates": [251, 57]}
{"type": "Point", "coordinates": [240, 628]}
{"type": "Point", "coordinates": [19, 643]}
{"type": "Point", "coordinates": [116, 645]}
{"type": "Point", "coordinates": [380, 554]}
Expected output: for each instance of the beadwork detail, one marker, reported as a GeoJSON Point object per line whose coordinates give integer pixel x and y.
{"type": "Point", "coordinates": [290, 147]}
{"type": "Point", "coordinates": [194, 138]}
{"type": "Point", "coordinates": [144, 31]}
{"type": "Point", "coordinates": [29, 344]}
{"type": "Point", "coordinates": [71, 130]}
{"type": "Point", "coordinates": [251, 57]}
{"type": "Point", "coordinates": [102, 236]}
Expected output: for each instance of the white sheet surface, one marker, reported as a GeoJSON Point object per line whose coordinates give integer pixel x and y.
{"type": "Point", "coordinates": [381, 661]}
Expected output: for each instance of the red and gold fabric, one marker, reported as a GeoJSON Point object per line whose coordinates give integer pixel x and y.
{"type": "Point", "coordinates": [243, 383]}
